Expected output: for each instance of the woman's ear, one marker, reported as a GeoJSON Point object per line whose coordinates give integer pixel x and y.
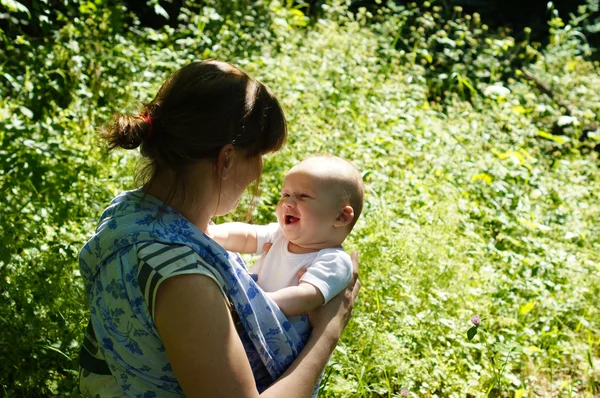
{"type": "Point", "coordinates": [345, 217]}
{"type": "Point", "coordinates": [224, 161]}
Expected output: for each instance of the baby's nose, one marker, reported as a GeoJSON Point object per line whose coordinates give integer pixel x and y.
{"type": "Point", "coordinates": [289, 203]}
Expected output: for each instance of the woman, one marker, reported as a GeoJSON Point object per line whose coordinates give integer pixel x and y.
{"type": "Point", "coordinates": [172, 313]}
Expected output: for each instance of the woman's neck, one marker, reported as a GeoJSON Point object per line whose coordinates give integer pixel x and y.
{"type": "Point", "coordinates": [193, 207]}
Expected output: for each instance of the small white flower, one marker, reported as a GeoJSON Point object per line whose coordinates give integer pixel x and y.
{"type": "Point", "coordinates": [496, 91]}
{"type": "Point", "coordinates": [570, 235]}
{"type": "Point", "coordinates": [567, 121]}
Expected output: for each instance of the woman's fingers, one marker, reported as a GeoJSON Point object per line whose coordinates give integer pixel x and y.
{"type": "Point", "coordinates": [355, 290]}
{"type": "Point", "coordinates": [354, 258]}
{"type": "Point", "coordinates": [301, 272]}
{"type": "Point", "coordinates": [354, 282]}
{"type": "Point", "coordinates": [267, 247]}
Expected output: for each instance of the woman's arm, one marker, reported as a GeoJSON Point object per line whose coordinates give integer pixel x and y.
{"type": "Point", "coordinates": [200, 338]}
{"type": "Point", "coordinates": [234, 236]}
{"type": "Point", "coordinates": [206, 352]}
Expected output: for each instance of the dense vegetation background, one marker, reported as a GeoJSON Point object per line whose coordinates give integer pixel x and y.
{"type": "Point", "coordinates": [478, 145]}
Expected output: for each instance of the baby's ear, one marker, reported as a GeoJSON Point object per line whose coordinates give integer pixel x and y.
{"type": "Point", "coordinates": [345, 217]}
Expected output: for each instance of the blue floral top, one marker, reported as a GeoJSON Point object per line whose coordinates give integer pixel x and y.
{"type": "Point", "coordinates": [122, 268]}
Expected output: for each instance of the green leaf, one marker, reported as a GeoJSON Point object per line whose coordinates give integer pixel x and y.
{"type": "Point", "coordinates": [159, 10]}
{"type": "Point", "coordinates": [532, 349]}
{"type": "Point", "coordinates": [14, 6]}
{"type": "Point", "coordinates": [527, 308]}
{"type": "Point", "coordinates": [471, 332]}
{"type": "Point", "coordinates": [482, 177]}
{"type": "Point", "coordinates": [26, 111]}
{"type": "Point", "coordinates": [48, 347]}
{"type": "Point", "coordinates": [559, 139]}
{"type": "Point", "coordinates": [88, 8]}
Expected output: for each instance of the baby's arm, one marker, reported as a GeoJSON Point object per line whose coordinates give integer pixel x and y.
{"type": "Point", "coordinates": [328, 275]}
{"type": "Point", "coordinates": [234, 236]}
{"type": "Point", "coordinates": [297, 300]}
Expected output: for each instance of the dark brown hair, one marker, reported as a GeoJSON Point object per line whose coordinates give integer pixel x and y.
{"type": "Point", "coordinates": [199, 109]}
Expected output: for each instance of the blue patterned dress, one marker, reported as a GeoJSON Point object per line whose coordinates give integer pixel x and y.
{"type": "Point", "coordinates": [122, 337]}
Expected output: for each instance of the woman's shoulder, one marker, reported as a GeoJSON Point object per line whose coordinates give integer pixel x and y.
{"type": "Point", "coordinates": [160, 261]}
{"type": "Point", "coordinates": [160, 255]}
{"type": "Point", "coordinates": [168, 258]}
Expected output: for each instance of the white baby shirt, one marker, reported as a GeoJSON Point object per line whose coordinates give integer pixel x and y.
{"type": "Point", "coordinates": [330, 270]}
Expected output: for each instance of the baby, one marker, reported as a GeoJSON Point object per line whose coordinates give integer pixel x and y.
{"type": "Point", "coordinates": [321, 199]}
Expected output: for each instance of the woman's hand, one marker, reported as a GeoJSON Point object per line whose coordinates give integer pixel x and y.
{"type": "Point", "coordinates": [333, 317]}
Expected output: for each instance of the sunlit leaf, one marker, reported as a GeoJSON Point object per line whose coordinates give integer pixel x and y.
{"type": "Point", "coordinates": [15, 6]}
{"type": "Point", "coordinates": [496, 91]}
{"type": "Point", "coordinates": [47, 347]}
{"type": "Point", "coordinates": [527, 308]}
{"type": "Point", "coordinates": [159, 10]}
{"type": "Point", "coordinates": [519, 109]}
{"type": "Point", "coordinates": [566, 120]}
{"type": "Point", "coordinates": [26, 112]}
{"type": "Point", "coordinates": [482, 177]}
{"type": "Point", "coordinates": [532, 349]}
{"type": "Point", "coordinates": [559, 139]}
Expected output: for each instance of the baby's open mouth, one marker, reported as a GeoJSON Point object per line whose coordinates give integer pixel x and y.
{"type": "Point", "coordinates": [291, 220]}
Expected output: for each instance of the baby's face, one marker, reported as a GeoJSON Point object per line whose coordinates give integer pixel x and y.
{"type": "Point", "coordinates": [307, 209]}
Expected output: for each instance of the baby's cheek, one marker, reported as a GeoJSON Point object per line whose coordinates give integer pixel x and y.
{"type": "Point", "coordinates": [278, 211]}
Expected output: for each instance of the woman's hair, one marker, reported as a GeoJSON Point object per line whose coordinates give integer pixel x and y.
{"type": "Point", "coordinates": [201, 108]}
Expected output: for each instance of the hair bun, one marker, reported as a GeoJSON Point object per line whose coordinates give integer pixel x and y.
{"type": "Point", "coordinates": [127, 131]}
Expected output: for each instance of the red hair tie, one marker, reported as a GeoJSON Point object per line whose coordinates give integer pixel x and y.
{"type": "Point", "coordinates": [147, 119]}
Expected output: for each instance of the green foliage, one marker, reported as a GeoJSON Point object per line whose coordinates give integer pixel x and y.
{"type": "Point", "coordinates": [457, 52]}
{"type": "Point", "coordinates": [475, 204]}
{"type": "Point", "coordinates": [53, 93]}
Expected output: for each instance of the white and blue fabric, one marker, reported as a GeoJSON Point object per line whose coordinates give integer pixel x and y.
{"type": "Point", "coordinates": [121, 324]}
